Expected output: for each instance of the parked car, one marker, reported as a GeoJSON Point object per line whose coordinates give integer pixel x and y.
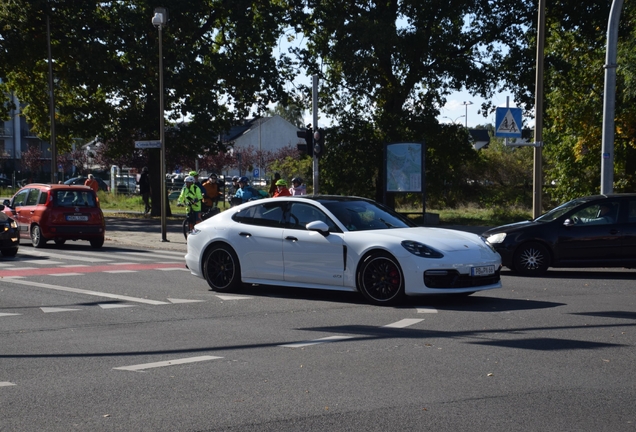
{"type": "Point", "coordinates": [597, 231]}
{"type": "Point", "coordinates": [103, 186]}
{"type": "Point", "coordinates": [126, 185]}
{"type": "Point", "coordinates": [57, 212]}
{"type": "Point", "coordinates": [338, 243]}
{"type": "Point", "coordinates": [9, 235]}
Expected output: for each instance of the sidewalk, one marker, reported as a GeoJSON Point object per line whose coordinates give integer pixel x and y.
{"type": "Point", "coordinates": [144, 232]}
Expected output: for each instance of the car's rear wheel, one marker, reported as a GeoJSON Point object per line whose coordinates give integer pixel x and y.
{"type": "Point", "coordinates": [36, 237]}
{"type": "Point", "coordinates": [60, 242]}
{"type": "Point", "coordinates": [97, 243]}
{"type": "Point", "coordinates": [531, 259]}
{"type": "Point", "coordinates": [10, 252]}
{"type": "Point", "coordinates": [380, 279]}
{"type": "Point", "coordinates": [221, 268]}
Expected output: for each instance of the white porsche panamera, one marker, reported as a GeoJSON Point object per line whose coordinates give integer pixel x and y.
{"type": "Point", "coordinates": [338, 243]}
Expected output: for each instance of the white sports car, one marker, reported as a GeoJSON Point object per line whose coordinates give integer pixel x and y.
{"type": "Point", "coordinates": [338, 243]}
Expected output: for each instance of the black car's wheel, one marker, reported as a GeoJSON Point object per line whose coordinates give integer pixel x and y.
{"type": "Point", "coordinates": [221, 268]}
{"type": "Point", "coordinates": [97, 243]}
{"type": "Point", "coordinates": [531, 259]}
{"type": "Point", "coordinates": [60, 242]}
{"type": "Point", "coordinates": [380, 279]}
{"type": "Point", "coordinates": [10, 252]}
{"type": "Point", "coordinates": [36, 237]}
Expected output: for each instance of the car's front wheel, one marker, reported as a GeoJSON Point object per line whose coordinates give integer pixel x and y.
{"type": "Point", "coordinates": [221, 268]}
{"type": "Point", "coordinates": [531, 259]}
{"type": "Point", "coordinates": [36, 237]}
{"type": "Point", "coordinates": [380, 279]}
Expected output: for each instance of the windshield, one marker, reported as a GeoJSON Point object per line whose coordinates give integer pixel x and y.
{"type": "Point", "coordinates": [559, 211]}
{"type": "Point", "coordinates": [365, 215]}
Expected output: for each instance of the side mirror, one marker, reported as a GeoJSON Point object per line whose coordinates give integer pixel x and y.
{"type": "Point", "coordinates": [568, 223]}
{"type": "Point", "coordinates": [318, 226]}
{"type": "Point", "coordinates": [1, 207]}
{"type": "Point", "coordinates": [6, 203]}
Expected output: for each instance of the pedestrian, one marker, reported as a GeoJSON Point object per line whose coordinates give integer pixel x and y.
{"type": "Point", "coordinates": [281, 189]}
{"type": "Point", "coordinates": [212, 192]}
{"type": "Point", "coordinates": [144, 188]}
{"type": "Point", "coordinates": [298, 188]}
{"type": "Point", "coordinates": [272, 186]}
{"type": "Point", "coordinates": [92, 183]}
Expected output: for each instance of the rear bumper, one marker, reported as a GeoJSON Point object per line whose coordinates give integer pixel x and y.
{"type": "Point", "coordinates": [74, 232]}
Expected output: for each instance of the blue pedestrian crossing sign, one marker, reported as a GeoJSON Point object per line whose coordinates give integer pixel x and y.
{"type": "Point", "coordinates": [508, 122]}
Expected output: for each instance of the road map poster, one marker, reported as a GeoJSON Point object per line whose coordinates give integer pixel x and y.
{"type": "Point", "coordinates": [404, 167]}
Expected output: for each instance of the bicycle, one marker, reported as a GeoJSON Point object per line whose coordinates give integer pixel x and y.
{"type": "Point", "coordinates": [188, 224]}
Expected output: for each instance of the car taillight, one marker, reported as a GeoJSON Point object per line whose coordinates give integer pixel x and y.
{"type": "Point", "coordinates": [49, 200]}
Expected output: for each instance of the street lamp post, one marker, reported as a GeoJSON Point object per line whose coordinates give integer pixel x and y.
{"type": "Point", "coordinates": [466, 103]}
{"type": "Point", "coordinates": [159, 20]}
{"type": "Point", "coordinates": [453, 121]}
{"type": "Point", "coordinates": [51, 102]}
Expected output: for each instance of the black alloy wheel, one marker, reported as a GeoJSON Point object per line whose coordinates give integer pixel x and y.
{"type": "Point", "coordinates": [221, 268]}
{"type": "Point", "coordinates": [380, 279]}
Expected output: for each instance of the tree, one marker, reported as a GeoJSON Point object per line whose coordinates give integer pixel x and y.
{"type": "Point", "coordinates": [391, 64]}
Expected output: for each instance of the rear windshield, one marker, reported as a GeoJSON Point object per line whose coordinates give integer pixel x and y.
{"type": "Point", "coordinates": [75, 198]}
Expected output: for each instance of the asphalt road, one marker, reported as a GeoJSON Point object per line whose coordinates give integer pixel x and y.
{"type": "Point", "coordinates": [124, 338]}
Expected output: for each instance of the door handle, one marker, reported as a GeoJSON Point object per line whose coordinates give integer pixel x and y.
{"type": "Point", "coordinates": [245, 234]}
{"type": "Point", "coordinates": [294, 239]}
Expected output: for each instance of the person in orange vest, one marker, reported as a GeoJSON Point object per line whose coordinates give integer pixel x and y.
{"type": "Point", "coordinates": [92, 183]}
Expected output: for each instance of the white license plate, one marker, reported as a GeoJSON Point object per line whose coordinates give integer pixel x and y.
{"type": "Point", "coordinates": [76, 218]}
{"type": "Point", "coordinates": [482, 270]}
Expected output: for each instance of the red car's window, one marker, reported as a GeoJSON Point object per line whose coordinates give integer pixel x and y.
{"type": "Point", "coordinates": [74, 199]}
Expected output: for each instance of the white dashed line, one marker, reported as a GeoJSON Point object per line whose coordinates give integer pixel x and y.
{"type": "Point", "coordinates": [404, 323]}
{"type": "Point", "coordinates": [232, 297]}
{"type": "Point", "coordinates": [6, 384]}
{"type": "Point", "coordinates": [141, 367]}
{"type": "Point", "coordinates": [120, 271]}
{"type": "Point", "coordinates": [54, 309]}
{"type": "Point", "coordinates": [172, 300]}
{"type": "Point", "coordinates": [316, 341]}
{"type": "Point", "coordinates": [66, 274]}
{"type": "Point", "coordinates": [426, 310]}
{"type": "Point", "coordinates": [9, 314]}
{"type": "Point", "coordinates": [85, 292]}
{"type": "Point", "coordinates": [113, 306]}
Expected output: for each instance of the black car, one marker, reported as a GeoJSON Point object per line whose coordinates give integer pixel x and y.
{"type": "Point", "coordinates": [9, 235]}
{"type": "Point", "coordinates": [81, 180]}
{"type": "Point", "coordinates": [598, 231]}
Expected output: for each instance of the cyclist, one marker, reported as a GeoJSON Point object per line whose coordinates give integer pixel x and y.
{"type": "Point", "coordinates": [191, 197]}
{"type": "Point", "coordinates": [281, 188]}
{"type": "Point", "coordinates": [212, 192]}
{"type": "Point", "coordinates": [297, 187]}
{"type": "Point", "coordinates": [245, 191]}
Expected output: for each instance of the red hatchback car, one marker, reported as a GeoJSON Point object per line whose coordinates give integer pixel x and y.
{"type": "Point", "coordinates": [57, 212]}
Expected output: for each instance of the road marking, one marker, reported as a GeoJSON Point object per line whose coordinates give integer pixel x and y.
{"type": "Point", "coordinates": [6, 265]}
{"type": "Point", "coordinates": [120, 271]}
{"type": "Point", "coordinates": [316, 341]}
{"type": "Point", "coordinates": [141, 367]}
{"type": "Point", "coordinates": [9, 314]}
{"type": "Point", "coordinates": [232, 297]}
{"type": "Point", "coordinates": [174, 268]}
{"type": "Point", "coordinates": [48, 271]}
{"type": "Point", "coordinates": [42, 261]}
{"type": "Point", "coordinates": [54, 309]}
{"type": "Point", "coordinates": [74, 265]}
{"type": "Point", "coordinates": [171, 300]}
{"type": "Point", "coordinates": [426, 310]}
{"type": "Point", "coordinates": [404, 323]}
{"type": "Point", "coordinates": [67, 274]}
{"type": "Point", "coordinates": [6, 384]}
{"type": "Point", "coordinates": [67, 256]}
{"type": "Point", "coordinates": [113, 306]}
{"type": "Point", "coordinates": [85, 292]}
{"type": "Point", "coordinates": [122, 263]}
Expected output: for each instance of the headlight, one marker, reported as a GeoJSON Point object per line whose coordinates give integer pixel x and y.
{"type": "Point", "coordinates": [14, 224]}
{"type": "Point", "coordinates": [194, 231]}
{"type": "Point", "coordinates": [496, 238]}
{"type": "Point", "coordinates": [421, 250]}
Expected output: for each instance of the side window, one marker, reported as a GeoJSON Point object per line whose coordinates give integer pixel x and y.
{"type": "Point", "coordinates": [33, 197]}
{"type": "Point", "coordinates": [21, 198]}
{"type": "Point", "coordinates": [597, 214]}
{"type": "Point", "coordinates": [269, 215]}
{"type": "Point", "coordinates": [632, 211]}
{"type": "Point", "coordinates": [301, 214]}
{"type": "Point", "coordinates": [43, 197]}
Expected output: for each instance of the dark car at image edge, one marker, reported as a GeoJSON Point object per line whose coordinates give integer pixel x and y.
{"type": "Point", "coordinates": [593, 231]}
